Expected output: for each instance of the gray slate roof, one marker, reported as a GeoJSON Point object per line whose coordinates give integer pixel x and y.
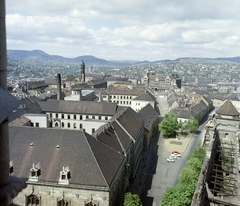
{"type": "Point", "coordinates": [115, 137]}
{"type": "Point", "coordinates": [228, 109]}
{"type": "Point", "coordinates": [149, 114]}
{"type": "Point", "coordinates": [85, 156]}
{"type": "Point", "coordinates": [182, 112]}
{"type": "Point", "coordinates": [130, 120]}
{"type": "Point", "coordinates": [7, 104]}
{"type": "Point", "coordinates": [147, 96]}
{"type": "Point", "coordinates": [79, 107]}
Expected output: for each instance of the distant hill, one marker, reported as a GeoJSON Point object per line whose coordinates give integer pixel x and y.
{"type": "Point", "coordinates": [91, 60]}
{"type": "Point", "coordinates": [233, 59]}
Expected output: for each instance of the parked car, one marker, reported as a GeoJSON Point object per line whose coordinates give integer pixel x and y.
{"type": "Point", "coordinates": [170, 160]}
{"type": "Point", "coordinates": [176, 155]}
{"type": "Point", "coordinates": [173, 156]}
{"type": "Point", "coordinates": [173, 152]}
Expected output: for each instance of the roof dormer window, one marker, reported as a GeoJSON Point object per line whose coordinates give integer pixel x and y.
{"type": "Point", "coordinates": [35, 172]}
{"type": "Point", "coordinates": [65, 175]}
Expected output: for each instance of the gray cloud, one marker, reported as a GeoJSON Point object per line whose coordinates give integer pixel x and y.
{"type": "Point", "coordinates": [136, 29]}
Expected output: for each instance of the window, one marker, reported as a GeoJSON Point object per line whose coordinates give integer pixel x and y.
{"type": "Point", "coordinates": [56, 124]}
{"type": "Point", "coordinates": [99, 117]}
{"type": "Point", "coordinates": [80, 117]}
{"type": "Point", "coordinates": [35, 172]}
{"type": "Point", "coordinates": [65, 175]}
{"type": "Point", "coordinates": [93, 117]}
{"type": "Point", "coordinates": [68, 125]}
{"type": "Point", "coordinates": [93, 130]}
{"type": "Point", "coordinates": [62, 203]}
{"type": "Point", "coordinates": [62, 116]}
{"type": "Point", "coordinates": [32, 200]}
{"type": "Point", "coordinates": [37, 124]}
{"type": "Point", "coordinates": [86, 116]}
{"type": "Point", "coordinates": [68, 116]}
{"type": "Point", "coordinates": [80, 126]}
{"type": "Point", "coordinates": [90, 204]}
{"type": "Point", "coordinates": [62, 124]}
{"type": "Point", "coordinates": [56, 115]}
{"type": "Point", "coordinates": [74, 126]}
{"type": "Point", "coordinates": [74, 116]}
{"type": "Point", "coordinates": [106, 118]}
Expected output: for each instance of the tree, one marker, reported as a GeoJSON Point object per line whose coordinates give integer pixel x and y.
{"type": "Point", "coordinates": [192, 124]}
{"type": "Point", "coordinates": [188, 175]}
{"type": "Point", "coordinates": [34, 87]}
{"type": "Point", "coordinates": [195, 163]}
{"type": "Point", "coordinates": [168, 127]}
{"type": "Point", "coordinates": [131, 200]}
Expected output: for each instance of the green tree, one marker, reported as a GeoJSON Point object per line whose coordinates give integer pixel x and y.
{"type": "Point", "coordinates": [169, 125]}
{"type": "Point", "coordinates": [195, 163]}
{"type": "Point", "coordinates": [192, 124]}
{"type": "Point", "coordinates": [131, 200]}
{"type": "Point", "coordinates": [188, 175]}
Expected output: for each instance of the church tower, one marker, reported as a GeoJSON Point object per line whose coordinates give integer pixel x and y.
{"type": "Point", "coordinates": [82, 72]}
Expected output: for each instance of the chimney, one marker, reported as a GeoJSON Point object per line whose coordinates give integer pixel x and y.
{"type": "Point", "coordinates": [58, 80]}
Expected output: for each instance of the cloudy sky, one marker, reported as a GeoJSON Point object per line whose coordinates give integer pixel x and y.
{"type": "Point", "coordinates": [126, 29]}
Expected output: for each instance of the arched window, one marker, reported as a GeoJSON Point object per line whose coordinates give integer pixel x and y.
{"type": "Point", "coordinates": [74, 126]}
{"type": "Point", "coordinates": [68, 125]}
{"type": "Point", "coordinates": [56, 124]}
{"type": "Point", "coordinates": [32, 200]}
{"type": "Point", "coordinates": [80, 126]}
{"type": "Point", "coordinates": [62, 124]}
{"type": "Point", "coordinates": [62, 202]}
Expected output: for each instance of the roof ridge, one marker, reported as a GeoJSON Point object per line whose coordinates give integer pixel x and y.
{"type": "Point", "coordinates": [95, 157]}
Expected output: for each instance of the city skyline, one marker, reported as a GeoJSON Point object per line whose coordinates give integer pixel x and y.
{"type": "Point", "coordinates": [125, 30]}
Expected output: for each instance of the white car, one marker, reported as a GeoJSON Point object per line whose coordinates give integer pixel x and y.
{"type": "Point", "coordinates": [170, 160]}
{"type": "Point", "coordinates": [176, 154]}
{"type": "Point", "coordinates": [172, 156]}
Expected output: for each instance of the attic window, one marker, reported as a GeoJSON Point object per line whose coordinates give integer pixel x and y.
{"type": "Point", "coordinates": [35, 172]}
{"type": "Point", "coordinates": [65, 175]}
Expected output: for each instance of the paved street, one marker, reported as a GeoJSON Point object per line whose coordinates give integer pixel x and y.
{"type": "Point", "coordinates": [155, 173]}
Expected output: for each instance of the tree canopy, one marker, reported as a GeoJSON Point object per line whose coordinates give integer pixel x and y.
{"type": "Point", "coordinates": [192, 124]}
{"type": "Point", "coordinates": [132, 200]}
{"type": "Point", "coordinates": [169, 125]}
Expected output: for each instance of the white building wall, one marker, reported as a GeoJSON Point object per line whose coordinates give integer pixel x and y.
{"type": "Point", "coordinates": [88, 123]}
{"type": "Point", "coordinates": [38, 120]}
{"type": "Point", "coordinates": [49, 195]}
{"type": "Point", "coordinates": [122, 100]}
{"type": "Point", "coordinates": [137, 105]}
